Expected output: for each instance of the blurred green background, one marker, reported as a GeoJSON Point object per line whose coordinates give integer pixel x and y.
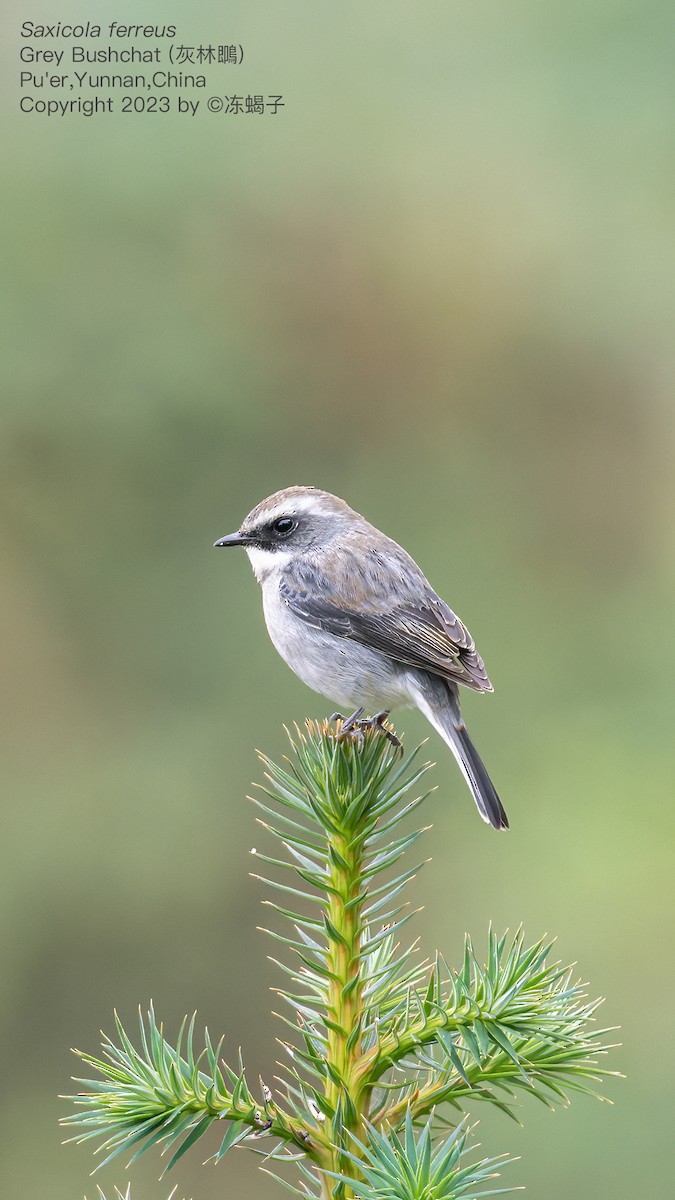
{"type": "Point", "coordinates": [441, 284]}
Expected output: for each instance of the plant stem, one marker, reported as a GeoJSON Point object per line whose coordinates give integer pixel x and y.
{"type": "Point", "coordinates": [345, 927]}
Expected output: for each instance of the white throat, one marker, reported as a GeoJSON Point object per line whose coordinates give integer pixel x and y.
{"type": "Point", "coordinates": [264, 562]}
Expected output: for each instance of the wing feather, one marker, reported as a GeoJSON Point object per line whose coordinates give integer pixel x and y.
{"type": "Point", "coordinates": [421, 631]}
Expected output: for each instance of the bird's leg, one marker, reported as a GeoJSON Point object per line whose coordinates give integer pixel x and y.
{"type": "Point", "coordinates": [378, 722]}
{"type": "Point", "coordinates": [357, 724]}
{"type": "Point", "coordinates": [347, 724]}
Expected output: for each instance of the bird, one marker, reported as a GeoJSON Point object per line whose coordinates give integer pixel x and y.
{"type": "Point", "coordinates": [357, 620]}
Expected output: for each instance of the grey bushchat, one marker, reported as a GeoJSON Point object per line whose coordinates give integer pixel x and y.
{"type": "Point", "coordinates": [356, 619]}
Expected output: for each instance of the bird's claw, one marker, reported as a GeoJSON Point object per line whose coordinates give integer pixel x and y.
{"type": "Point", "coordinates": [356, 725]}
{"type": "Point", "coordinates": [379, 722]}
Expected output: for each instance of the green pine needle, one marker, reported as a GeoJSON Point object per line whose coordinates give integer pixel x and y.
{"type": "Point", "coordinates": [126, 1195]}
{"type": "Point", "coordinates": [411, 1167]}
{"type": "Point", "coordinates": [383, 1046]}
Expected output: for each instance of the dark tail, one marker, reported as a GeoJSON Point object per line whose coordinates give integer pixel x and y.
{"type": "Point", "coordinates": [439, 702]}
{"type": "Point", "coordinates": [487, 801]}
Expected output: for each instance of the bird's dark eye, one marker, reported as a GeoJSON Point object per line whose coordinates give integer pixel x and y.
{"type": "Point", "coordinates": [284, 526]}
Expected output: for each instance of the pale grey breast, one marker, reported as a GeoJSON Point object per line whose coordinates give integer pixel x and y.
{"type": "Point", "coordinates": [346, 672]}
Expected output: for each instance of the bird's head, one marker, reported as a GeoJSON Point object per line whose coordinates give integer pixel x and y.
{"type": "Point", "coordinates": [293, 522]}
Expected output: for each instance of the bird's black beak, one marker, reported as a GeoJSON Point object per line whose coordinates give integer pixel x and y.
{"type": "Point", "coordinates": [233, 539]}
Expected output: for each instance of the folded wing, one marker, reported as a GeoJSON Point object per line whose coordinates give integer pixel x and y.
{"type": "Point", "coordinates": [420, 632]}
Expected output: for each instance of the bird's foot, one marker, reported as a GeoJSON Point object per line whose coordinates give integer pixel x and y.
{"type": "Point", "coordinates": [356, 726]}
{"type": "Point", "coordinates": [348, 725]}
{"type": "Point", "coordinates": [379, 722]}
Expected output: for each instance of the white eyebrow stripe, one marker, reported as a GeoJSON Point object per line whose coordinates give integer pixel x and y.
{"type": "Point", "coordinates": [294, 506]}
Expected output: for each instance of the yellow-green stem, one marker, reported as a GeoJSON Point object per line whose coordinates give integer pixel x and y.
{"type": "Point", "coordinates": [345, 998]}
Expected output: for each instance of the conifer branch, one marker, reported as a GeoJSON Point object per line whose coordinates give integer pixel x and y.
{"type": "Point", "coordinates": [378, 1040]}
